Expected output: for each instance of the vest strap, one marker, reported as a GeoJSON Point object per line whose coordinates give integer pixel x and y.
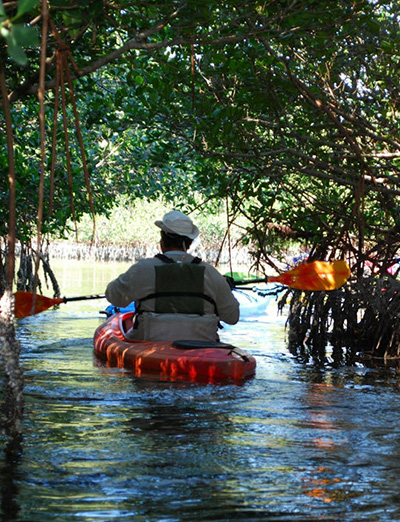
{"type": "Point", "coordinates": [181, 294]}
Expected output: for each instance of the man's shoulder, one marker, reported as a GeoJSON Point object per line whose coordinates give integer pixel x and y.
{"type": "Point", "coordinates": [146, 261]}
{"type": "Point", "coordinates": [211, 270]}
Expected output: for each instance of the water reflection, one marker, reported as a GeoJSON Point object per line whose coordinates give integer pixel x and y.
{"type": "Point", "coordinates": [294, 444]}
{"type": "Point", "coordinates": [330, 441]}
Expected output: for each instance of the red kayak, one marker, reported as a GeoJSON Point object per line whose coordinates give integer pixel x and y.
{"type": "Point", "coordinates": [195, 361]}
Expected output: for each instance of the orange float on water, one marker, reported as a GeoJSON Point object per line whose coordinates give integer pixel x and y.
{"type": "Point", "coordinates": [194, 361]}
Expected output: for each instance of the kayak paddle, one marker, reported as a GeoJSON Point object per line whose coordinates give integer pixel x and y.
{"type": "Point", "coordinates": [24, 302]}
{"type": "Point", "coordinates": [317, 275]}
{"type": "Point", "coordinates": [314, 276]}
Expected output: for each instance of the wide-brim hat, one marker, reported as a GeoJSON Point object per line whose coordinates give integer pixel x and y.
{"type": "Point", "coordinates": [175, 222]}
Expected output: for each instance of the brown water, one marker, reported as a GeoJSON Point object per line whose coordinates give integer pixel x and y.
{"type": "Point", "coordinates": [293, 444]}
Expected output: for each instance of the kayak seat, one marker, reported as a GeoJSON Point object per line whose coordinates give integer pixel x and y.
{"type": "Point", "coordinates": [192, 345]}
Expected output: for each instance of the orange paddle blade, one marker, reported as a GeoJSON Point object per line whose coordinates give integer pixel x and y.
{"type": "Point", "coordinates": [24, 303]}
{"type": "Point", "coordinates": [317, 275]}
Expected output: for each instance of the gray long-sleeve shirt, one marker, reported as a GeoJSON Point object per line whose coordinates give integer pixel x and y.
{"type": "Point", "coordinates": [139, 281]}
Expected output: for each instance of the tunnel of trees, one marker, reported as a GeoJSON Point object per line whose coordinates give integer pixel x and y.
{"type": "Point", "coordinates": [285, 113]}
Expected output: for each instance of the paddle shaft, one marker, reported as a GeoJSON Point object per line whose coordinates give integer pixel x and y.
{"type": "Point", "coordinates": [251, 281]}
{"type": "Point", "coordinates": [83, 298]}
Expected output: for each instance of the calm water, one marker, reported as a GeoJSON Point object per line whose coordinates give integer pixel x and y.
{"type": "Point", "coordinates": [293, 444]}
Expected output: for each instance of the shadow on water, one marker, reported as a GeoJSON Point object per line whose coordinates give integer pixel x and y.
{"type": "Point", "coordinates": [9, 473]}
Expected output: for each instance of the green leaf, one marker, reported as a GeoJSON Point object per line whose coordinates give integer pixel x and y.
{"type": "Point", "coordinates": [2, 12]}
{"type": "Point", "coordinates": [15, 51]}
{"type": "Point", "coordinates": [373, 25]}
{"type": "Point", "coordinates": [24, 6]}
{"type": "Point", "coordinates": [24, 35]}
{"type": "Point", "coordinates": [387, 46]}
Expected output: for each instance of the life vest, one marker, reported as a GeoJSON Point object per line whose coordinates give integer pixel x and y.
{"type": "Point", "coordinates": [179, 288]}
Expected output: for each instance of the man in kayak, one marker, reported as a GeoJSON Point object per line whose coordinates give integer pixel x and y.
{"type": "Point", "coordinates": [177, 295]}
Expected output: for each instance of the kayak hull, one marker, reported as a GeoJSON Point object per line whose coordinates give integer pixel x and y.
{"type": "Point", "coordinates": [195, 361]}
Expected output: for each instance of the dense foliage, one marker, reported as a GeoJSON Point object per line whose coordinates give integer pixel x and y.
{"type": "Point", "coordinates": [289, 109]}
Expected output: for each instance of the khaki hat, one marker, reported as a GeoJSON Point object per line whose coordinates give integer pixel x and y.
{"type": "Point", "coordinates": [176, 222]}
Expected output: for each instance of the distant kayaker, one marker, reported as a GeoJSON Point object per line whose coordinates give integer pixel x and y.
{"type": "Point", "coordinates": [177, 295]}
